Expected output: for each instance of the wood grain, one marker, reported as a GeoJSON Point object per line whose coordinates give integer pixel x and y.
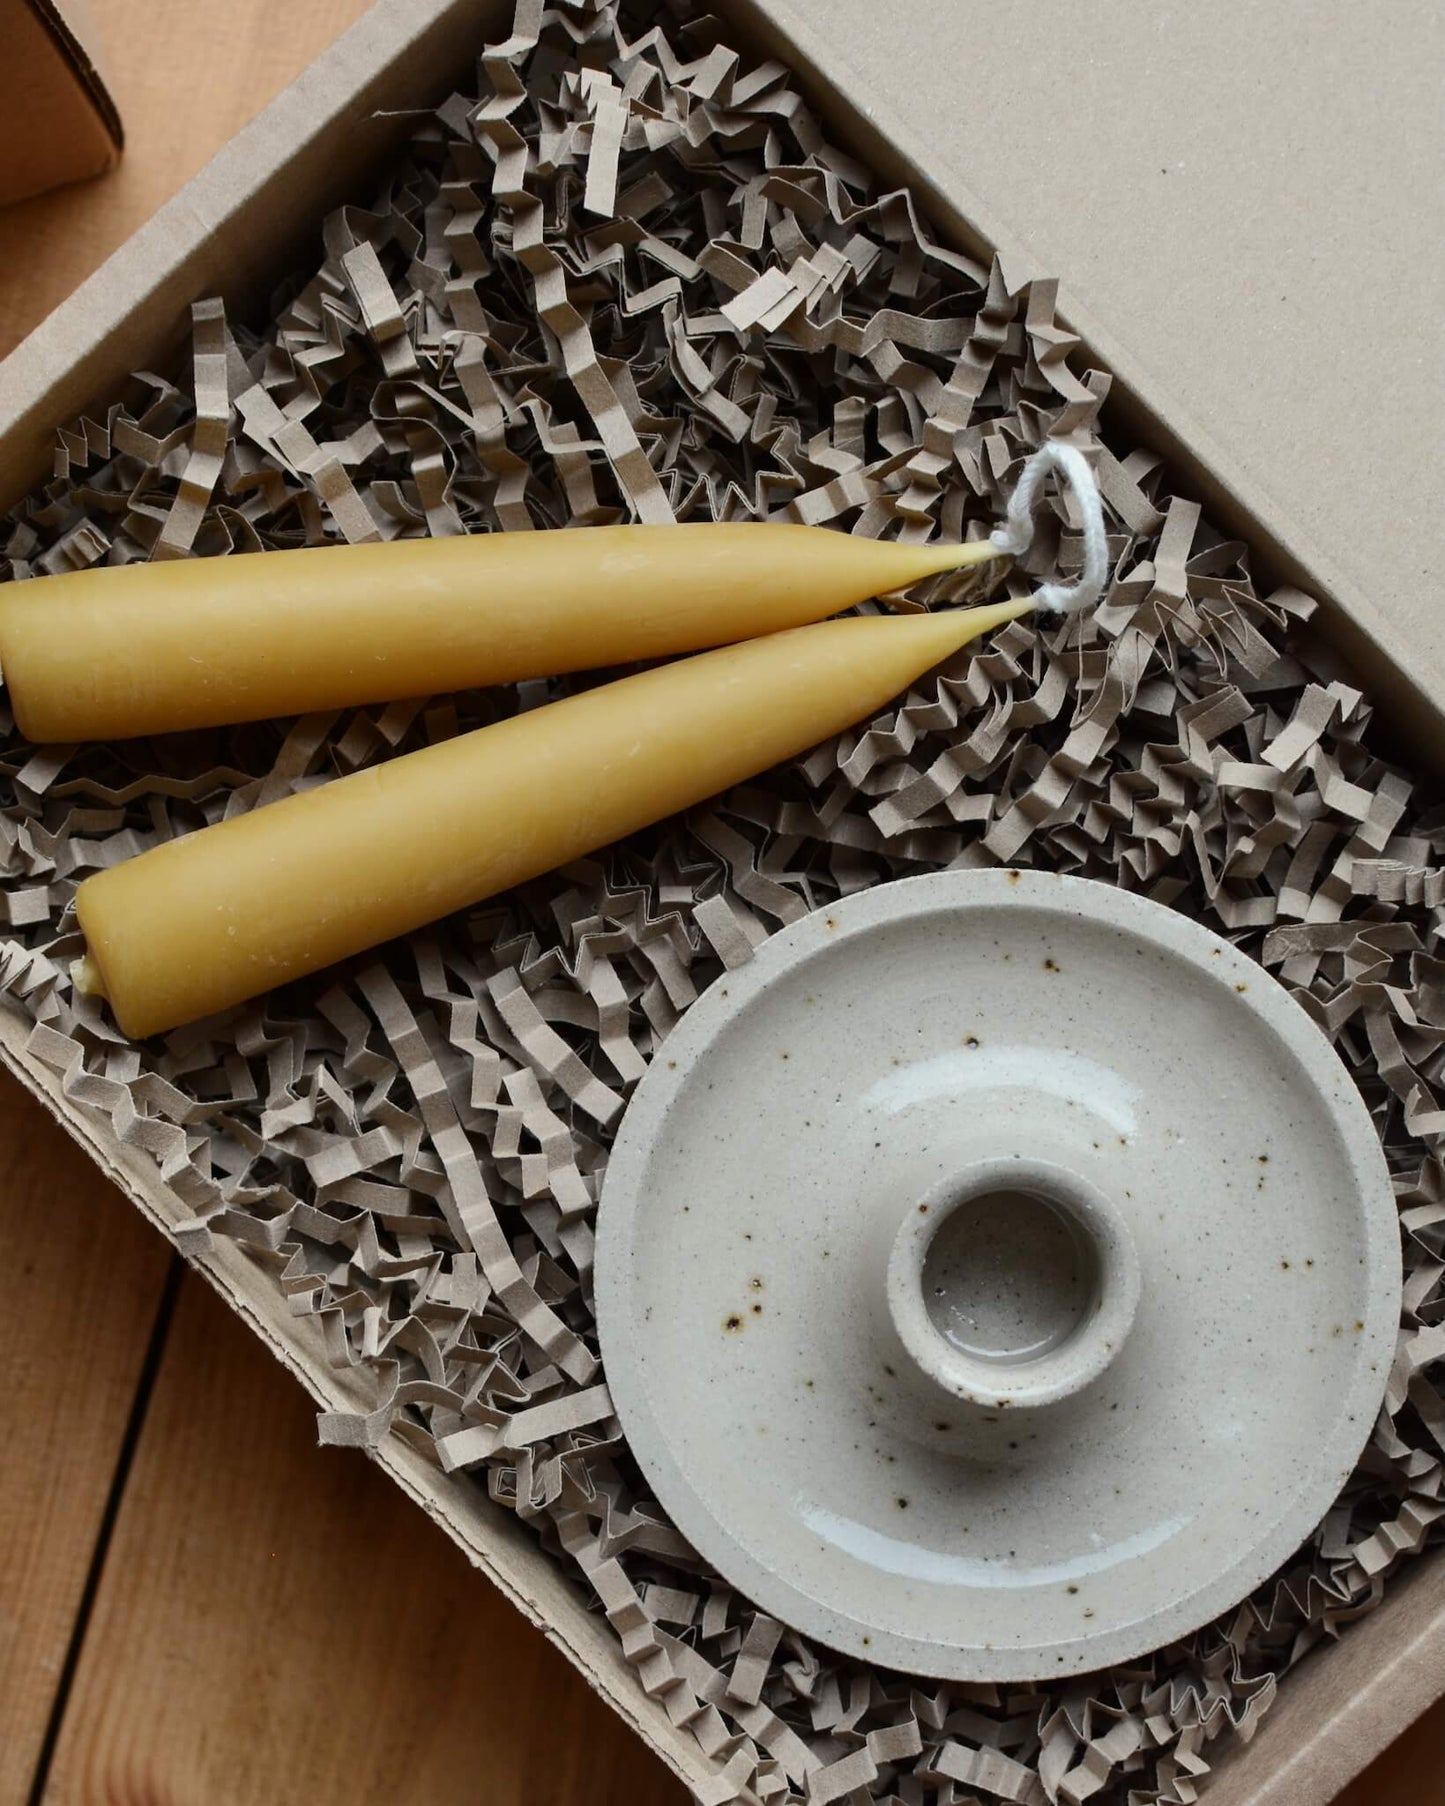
{"type": "Point", "coordinates": [1410, 1773]}
{"type": "Point", "coordinates": [80, 1282]}
{"type": "Point", "coordinates": [276, 1623]}
{"type": "Point", "coordinates": [186, 77]}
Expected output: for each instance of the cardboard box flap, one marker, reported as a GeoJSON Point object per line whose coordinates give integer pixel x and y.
{"type": "Point", "coordinates": [58, 122]}
{"type": "Point", "coordinates": [1218, 256]}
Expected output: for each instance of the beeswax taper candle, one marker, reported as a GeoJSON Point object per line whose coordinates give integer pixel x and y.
{"type": "Point", "coordinates": [223, 914]}
{"type": "Point", "coordinates": [109, 653]}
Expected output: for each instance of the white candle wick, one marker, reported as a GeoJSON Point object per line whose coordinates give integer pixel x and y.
{"type": "Point", "coordinates": [1016, 535]}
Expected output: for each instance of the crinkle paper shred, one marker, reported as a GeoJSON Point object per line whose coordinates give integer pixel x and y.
{"type": "Point", "coordinates": [625, 276]}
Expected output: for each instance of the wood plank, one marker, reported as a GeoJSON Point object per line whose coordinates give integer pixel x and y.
{"type": "Point", "coordinates": [276, 1623]}
{"type": "Point", "coordinates": [186, 78]}
{"type": "Point", "coordinates": [80, 1283]}
{"type": "Point", "coordinates": [1411, 1772]}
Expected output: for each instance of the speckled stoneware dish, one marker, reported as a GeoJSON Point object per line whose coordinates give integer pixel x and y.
{"type": "Point", "coordinates": [998, 1276]}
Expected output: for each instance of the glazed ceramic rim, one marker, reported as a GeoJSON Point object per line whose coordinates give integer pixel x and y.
{"type": "Point", "coordinates": [954, 893]}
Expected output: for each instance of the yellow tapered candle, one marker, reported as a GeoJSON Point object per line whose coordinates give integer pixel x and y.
{"type": "Point", "coordinates": [233, 910]}
{"type": "Point", "coordinates": [108, 653]}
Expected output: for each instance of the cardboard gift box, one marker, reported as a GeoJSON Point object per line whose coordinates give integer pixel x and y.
{"type": "Point", "coordinates": [58, 122]}
{"type": "Point", "coordinates": [1043, 147]}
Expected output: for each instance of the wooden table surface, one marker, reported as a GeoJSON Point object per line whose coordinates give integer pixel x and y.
{"type": "Point", "coordinates": [196, 1603]}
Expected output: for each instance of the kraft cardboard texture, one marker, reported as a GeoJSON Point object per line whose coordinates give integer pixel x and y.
{"type": "Point", "coordinates": [1245, 199]}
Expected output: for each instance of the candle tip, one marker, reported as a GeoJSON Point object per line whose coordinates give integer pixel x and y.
{"type": "Point", "coordinates": [986, 615]}
{"type": "Point", "coordinates": [85, 976]}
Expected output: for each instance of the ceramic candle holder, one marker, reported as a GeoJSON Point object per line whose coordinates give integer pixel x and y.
{"type": "Point", "coordinates": [997, 1276]}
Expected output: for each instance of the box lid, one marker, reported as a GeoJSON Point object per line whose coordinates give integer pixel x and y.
{"type": "Point", "coordinates": [1223, 256]}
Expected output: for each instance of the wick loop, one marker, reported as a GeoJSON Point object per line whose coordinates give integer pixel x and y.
{"type": "Point", "coordinates": [1016, 535]}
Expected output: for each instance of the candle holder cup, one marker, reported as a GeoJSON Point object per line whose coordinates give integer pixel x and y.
{"type": "Point", "coordinates": [1012, 1284]}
